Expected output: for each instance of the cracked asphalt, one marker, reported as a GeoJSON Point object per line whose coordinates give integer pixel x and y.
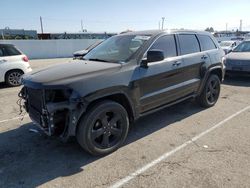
{"type": "Point", "coordinates": [220, 158]}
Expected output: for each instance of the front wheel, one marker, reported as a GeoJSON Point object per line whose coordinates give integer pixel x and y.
{"type": "Point", "coordinates": [104, 128]}
{"type": "Point", "coordinates": [211, 92]}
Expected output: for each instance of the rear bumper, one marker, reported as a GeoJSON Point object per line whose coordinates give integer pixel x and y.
{"type": "Point", "coordinates": [27, 69]}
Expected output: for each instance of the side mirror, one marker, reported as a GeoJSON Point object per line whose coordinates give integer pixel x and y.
{"type": "Point", "coordinates": [80, 54]}
{"type": "Point", "coordinates": [153, 56]}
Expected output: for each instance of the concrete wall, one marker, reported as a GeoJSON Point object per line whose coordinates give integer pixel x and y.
{"type": "Point", "coordinates": [42, 49]}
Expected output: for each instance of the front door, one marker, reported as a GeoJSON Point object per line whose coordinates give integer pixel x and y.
{"type": "Point", "coordinates": [160, 81]}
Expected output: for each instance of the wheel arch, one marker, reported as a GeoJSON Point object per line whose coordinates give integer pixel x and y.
{"type": "Point", "coordinates": [120, 97]}
{"type": "Point", "coordinates": [217, 70]}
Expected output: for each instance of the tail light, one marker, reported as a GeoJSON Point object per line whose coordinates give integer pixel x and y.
{"type": "Point", "coordinates": [25, 58]}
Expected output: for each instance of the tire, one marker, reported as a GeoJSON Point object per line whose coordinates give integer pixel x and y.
{"type": "Point", "coordinates": [210, 92]}
{"type": "Point", "coordinates": [13, 78]}
{"type": "Point", "coordinates": [103, 129]}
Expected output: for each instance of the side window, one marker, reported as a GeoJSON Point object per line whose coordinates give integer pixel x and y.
{"type": "Point", "coordinates": [188, 44]}
{"type": "Point", "coordinates": [166, 44]}
{"type": "Point", "coordinates": [11, 51]}
{"type": "Point", "coordinates": [1, 52]}
{"type": "Point", "coordinates": [206, 43]}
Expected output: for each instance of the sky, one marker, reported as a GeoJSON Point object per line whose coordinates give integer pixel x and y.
{"type": "Point", "coordinates": [120, 15]}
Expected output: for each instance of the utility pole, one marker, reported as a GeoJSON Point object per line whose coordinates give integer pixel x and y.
{"type": "Point", "coordinates": [81, 26]}
{"type": "Point", "coordinates": [226, 26]}
{"type": "Point", "coordinates": [41, 23]}
{"type": "Point", "coordinates": [2, 35]}
{"type": "Point", "coordinates": [240, 25]}
{"type": "Point", "coordinates": [162, 24]}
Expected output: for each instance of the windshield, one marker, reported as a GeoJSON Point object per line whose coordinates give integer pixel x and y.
{"type": "Point", "coordinates": [117, 49]}
{"type": "Point", "coordinates": [243, 47]}
{"type": "Point", "coordinates": [224, 44]}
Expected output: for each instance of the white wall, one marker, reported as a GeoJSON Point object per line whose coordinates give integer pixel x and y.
{"type": "Point", "coordinates": [42, 49]}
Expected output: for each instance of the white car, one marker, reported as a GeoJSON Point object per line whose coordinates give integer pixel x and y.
{"type": "Point", "coordinates": [13, 64]}
{"type": "Point", "coordinates": [228, 46]}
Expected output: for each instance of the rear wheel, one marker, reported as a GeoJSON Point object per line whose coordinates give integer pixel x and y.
{"type": "Point", "coordinates": [13, 78]}
{"type": "Point", "coordinates": [211, 92]}
{"type": "Point", "coordinates": [104, 128]}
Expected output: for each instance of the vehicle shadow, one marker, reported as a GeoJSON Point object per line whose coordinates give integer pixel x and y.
{"type": "Point", "coordinates": [31, 159]}
{"type": "Point", "coordinates": [3, 86]}
{"type": "Point", "coordinates": [237, 81]}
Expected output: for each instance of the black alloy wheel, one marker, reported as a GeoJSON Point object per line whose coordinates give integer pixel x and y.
{"type": "Point", "coordinates": [107, 130]}
{"type": "Point", "coordinates": [104, 128]}
{"type": "Point", "coordinates": [211, 92]}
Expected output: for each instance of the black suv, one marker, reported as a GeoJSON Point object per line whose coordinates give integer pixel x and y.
{"type": "Point", "coordinates": [123, 78]}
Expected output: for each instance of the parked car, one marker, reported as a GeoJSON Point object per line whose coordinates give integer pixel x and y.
{"type": "Point", "coordinates": [81, 53]}
{"type": "Point", "coordinates": [13, 64]}
{"type": "Point", "coordinates": [238, 61]}
{"type": "Point", "coordinates": [125, 77]}
{"type": "Point", "coordinates": [228, 46]}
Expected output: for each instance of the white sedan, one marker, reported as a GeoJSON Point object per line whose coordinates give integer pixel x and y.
{"type": "Point", "coordinates": [13, 64]}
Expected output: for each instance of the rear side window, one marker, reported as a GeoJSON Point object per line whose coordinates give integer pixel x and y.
{"type": "Point", "coordinates": [1, 52]}
{"type": "Point", "coordinates": [206, 43]}
{"type": "Point", "coordinates": [188, 44]}
{"type": "Point", "coordinates": [8, 51]}
{"type": "Point", "coordinates": [166, 44]}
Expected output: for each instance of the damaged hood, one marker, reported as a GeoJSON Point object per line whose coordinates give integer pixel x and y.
{"type": "Point", "coordinates": [69, 72]}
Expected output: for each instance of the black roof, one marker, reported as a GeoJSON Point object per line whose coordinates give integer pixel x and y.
{"type": "Point", "coordinates": [157, 32]}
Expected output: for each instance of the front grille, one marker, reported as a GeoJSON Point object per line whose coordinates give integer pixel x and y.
{"type": "Point", "coordinates": [35, 99]}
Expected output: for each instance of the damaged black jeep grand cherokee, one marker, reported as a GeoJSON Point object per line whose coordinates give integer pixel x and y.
{"type": "Point", "coordinates": [120, 80]}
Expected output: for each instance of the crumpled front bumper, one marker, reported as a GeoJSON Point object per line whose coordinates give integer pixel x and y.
{"type": "Point", "coordinates": [50, 115]}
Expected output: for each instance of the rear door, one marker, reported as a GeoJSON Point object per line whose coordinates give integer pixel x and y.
{"type": "Point", "coordinates": [209, 48]}
{"type": "Point", "coordinates": [2, 60]}
{"type": "Point", "coordinates": [159, 82]}
{"type": "Point", "coordinates": [194, 61]}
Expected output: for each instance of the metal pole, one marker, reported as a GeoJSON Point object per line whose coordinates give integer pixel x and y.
{"type": "Point", "coordinates": [240, 25]}
{"type": "Point", "coordinates": [2, 35]}
{"type": "Point", "coordinates": [41, 22]}
{"type": "Point", "coordinates": [162, 26]}
{"type": "Point", "coordinates": [81, 26]}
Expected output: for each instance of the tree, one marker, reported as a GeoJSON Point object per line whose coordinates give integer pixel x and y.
{"type": "Point", "coordinates": [209, 29]}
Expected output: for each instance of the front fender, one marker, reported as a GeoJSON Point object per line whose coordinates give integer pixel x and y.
{"type": "Point", "coordinates": [112, 91]}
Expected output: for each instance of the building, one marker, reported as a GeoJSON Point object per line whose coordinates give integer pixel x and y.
{"type": "Point", "coordinates": [84, 35]}
{"type": "Point", "coordinates": [15, 34]}
{"type": "Point", "coordinates": [8, 33]}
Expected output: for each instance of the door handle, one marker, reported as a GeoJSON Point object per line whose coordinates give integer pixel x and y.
{"type": "Point", "coordinates": [176, 63]}
{"type": "Point", "coordinates": [204, 57]}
